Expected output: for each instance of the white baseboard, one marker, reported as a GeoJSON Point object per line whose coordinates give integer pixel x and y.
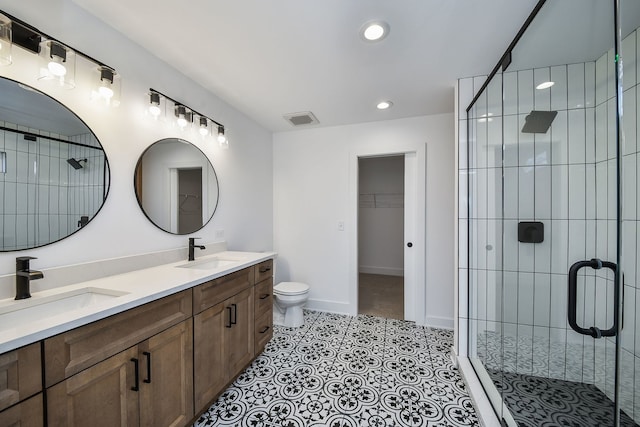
{"type": "Point", "coordinates": [385, 271]}
{"type": "Point", "coordinates": [329, 306]}
{"type": "Point", "coordinates": [440, 322]}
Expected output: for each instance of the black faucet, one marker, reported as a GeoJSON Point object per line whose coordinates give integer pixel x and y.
{"type": "Point", "coordinates": [192, 246]}
{"type": "Point", "coordinates": [24, 276]}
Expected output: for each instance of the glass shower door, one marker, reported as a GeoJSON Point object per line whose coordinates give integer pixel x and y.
{"type": "Point", "coordinates": [553, 194]}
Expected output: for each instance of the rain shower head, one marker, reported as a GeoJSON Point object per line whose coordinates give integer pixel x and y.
{"type": "Point", "coordinates": [76, 163]}
{"type": "Point", "coordinates": [538, 121]}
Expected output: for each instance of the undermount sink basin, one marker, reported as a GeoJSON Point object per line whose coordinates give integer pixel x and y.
{"type": "Point", "coordinates": [15, 313]}
{"type": "Point", "coordinates": [208, 264]}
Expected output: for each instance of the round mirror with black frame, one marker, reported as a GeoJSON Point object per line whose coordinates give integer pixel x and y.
{"type": "Point", "coordinates": [176, 186]}
{"type": "Point", "coordinates": [54, 174]}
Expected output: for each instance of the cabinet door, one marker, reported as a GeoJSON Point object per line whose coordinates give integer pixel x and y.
{"type": "Point", "coordinates": [20, 375]}
{"type": "Point", "coordinates": [101, 395]}
{"type": "Point", "coordinates": [209, 354]}
{"type": "Point", "coordinates": [166, 377]}
{"type": "Point", "coordinates": [239, 338]}
{"type": "Point", "coordinates": [28, 413]}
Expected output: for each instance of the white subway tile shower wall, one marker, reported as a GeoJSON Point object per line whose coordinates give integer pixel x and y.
{"type": "Point", "coordinates": [43, 197]}
{"type": "Point", "coordinates": [565, 179]}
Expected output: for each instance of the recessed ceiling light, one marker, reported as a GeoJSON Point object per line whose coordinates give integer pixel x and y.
{"type": "Point", "coordinates": [384, 105]}
{"type": "Point", "coordinates": [374, 31]}
{"type": "Point", "coordinates": [545, 85]}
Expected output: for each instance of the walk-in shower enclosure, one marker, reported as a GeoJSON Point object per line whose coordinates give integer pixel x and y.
{"type": "Point", "coordinates": [548, 219]}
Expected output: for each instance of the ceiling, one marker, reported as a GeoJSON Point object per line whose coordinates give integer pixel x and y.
{"type": "Point", "coordinates": [270, 58]}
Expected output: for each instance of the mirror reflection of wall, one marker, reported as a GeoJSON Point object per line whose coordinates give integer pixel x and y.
{"type": "Point", "coordinates": [176, 186]}
{"type": "Point", "coordinates": [54, 175]}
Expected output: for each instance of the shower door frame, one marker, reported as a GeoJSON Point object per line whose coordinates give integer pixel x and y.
{"type": "Point", "coordinates": [500, 408]}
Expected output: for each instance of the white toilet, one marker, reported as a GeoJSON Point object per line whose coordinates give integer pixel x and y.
{"type": "Point", "coordinates": [289, 299]}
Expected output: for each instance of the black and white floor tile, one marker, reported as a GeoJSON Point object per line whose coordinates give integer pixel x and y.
{"type": "Point", "coordinates": [344, 371]}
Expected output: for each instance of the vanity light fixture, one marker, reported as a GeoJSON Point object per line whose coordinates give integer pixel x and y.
{"type": "Point", "coordinates": [57, 59]}
{"type": "Point", "coordinates": [186, 115]}
{"type": "Point", "coordinates": [5, 41]}
{"type": "Point", "coordinates": [154, 104]}
{"type": "Point", "coordinates": [58, 64]}
{"type": "Point", "coordinates": [182, 116]}
{"type": "Point", "coordinates": [204, 126]}
{"type": "Point", "coordinates": [108, 86]}
{"type": "Point", "coordinates": [222, 138]}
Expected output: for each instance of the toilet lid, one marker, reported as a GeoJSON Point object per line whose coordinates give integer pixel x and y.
{"type": "Point", "coordinates": [291, 288]}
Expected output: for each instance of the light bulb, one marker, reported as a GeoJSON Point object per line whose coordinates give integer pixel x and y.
{"type": "Point", "coordinates": [545, 85]}
{"type": "Point", "coordinates": [154, 101]}
{"type": "Point", "coordinates": [182, 122]}
{"type": "Point", "coordinates": [56, 68]}
{"type": "Point", "coordinates": [105, 92]}
{"type": "Point", "coordinates": [222, 139]}
{"type": "Point", "coordinates": [384, 105]}
{"type": "Point", "coordinates": [154, 110]}
{"type": "Point", "coordinates": [373, 32]}
{"type": "Point", "coordinates": [204, 126]}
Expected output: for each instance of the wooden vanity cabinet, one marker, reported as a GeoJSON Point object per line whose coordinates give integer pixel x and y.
{"type": "Point", "coordinates": [21, 387]}
{"type": "Point", "coordinates": [155, 365]}
{"type": "Point", "coordinates": [263, 313]}
{"type": "Point", "coordinates": [149, 383]}
{"type": "Point", "coordinates": [223, 333]}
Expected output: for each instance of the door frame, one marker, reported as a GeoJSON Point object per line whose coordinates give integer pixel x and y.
{"type": "Point", "coordinates": [415, 213]}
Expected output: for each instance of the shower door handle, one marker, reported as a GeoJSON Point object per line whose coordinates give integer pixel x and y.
{"type": "Point", "coordinates": [593, 331]}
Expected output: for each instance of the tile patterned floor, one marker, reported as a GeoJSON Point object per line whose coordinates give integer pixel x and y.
{"type": "Point", "coordinates": [344, 371]}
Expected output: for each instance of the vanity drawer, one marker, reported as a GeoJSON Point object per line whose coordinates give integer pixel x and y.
{"type": "Point", "coordinates": [73, 351]}
{"type": "Point", "coordinates": [263, 295]}
{"type": "Point", "coordinates": [263, 331]}
{"type": "Point", "coordinates": [215, 291]}
{"type": "Point", "coordinates": [263, 271]}
{"type": "Point", "coordinates": [20, 374]}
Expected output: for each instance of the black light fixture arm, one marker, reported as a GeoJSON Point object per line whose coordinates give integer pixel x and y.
{"type": "Point", "coordinates": [152, 91]}
{"type": "Point", "coordinates": [28, 37]}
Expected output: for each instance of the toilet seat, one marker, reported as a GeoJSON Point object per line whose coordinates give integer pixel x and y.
{"type": "Point", "coordinates": [290, 288]}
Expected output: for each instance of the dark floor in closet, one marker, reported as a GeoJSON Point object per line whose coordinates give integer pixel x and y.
{"type": "Point", "coordinates": [380, 295]}
{"type": "Point", "coordinates": [544, 402]}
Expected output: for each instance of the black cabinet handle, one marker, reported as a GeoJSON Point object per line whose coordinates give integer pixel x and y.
{"type": "Point", "coordinates": [230, 323]}
{"type": "Point", "coordinates": [409, 245]}
{"type": "Point", "coordinates": [593, 331]}
{"type": "Point", "coordinates": [235, 314]}
{"type": "Point", "coordinates": [264, 269]}
{"type": "Point", "coordinates": [148, 356]}
{"type": "Point", "coordinates": [265, 296]}
{"type": "Point", "coordinates": [265, 329]}
{"type": "Point", "coordinates": [136, 374]}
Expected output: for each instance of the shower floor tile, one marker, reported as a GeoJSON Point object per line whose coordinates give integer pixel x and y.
{"type": "Point", "coordinates": [344, 371]}
{"type": "Point", "coordinates": [536, 401]}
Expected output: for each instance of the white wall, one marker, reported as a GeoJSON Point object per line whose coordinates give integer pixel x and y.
{"type": "Point", "coordinates": [315, 187]}
{"type": "Point", "coordinates": [381, 215]}
{"type": "Point", "coordinates": [244, 171]}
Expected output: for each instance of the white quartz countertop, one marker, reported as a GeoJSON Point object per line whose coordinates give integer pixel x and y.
{"type": "Point", "coordinates": [135, 288]}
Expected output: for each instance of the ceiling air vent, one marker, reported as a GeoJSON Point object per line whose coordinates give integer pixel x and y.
{"type": "Point", "coordinates": [301, 119]}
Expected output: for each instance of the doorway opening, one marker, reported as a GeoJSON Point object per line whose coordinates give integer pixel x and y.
{"type": "Point", "coordinates": [189, 200]}
{"type": "Point", "coordinates": [381, 220]}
